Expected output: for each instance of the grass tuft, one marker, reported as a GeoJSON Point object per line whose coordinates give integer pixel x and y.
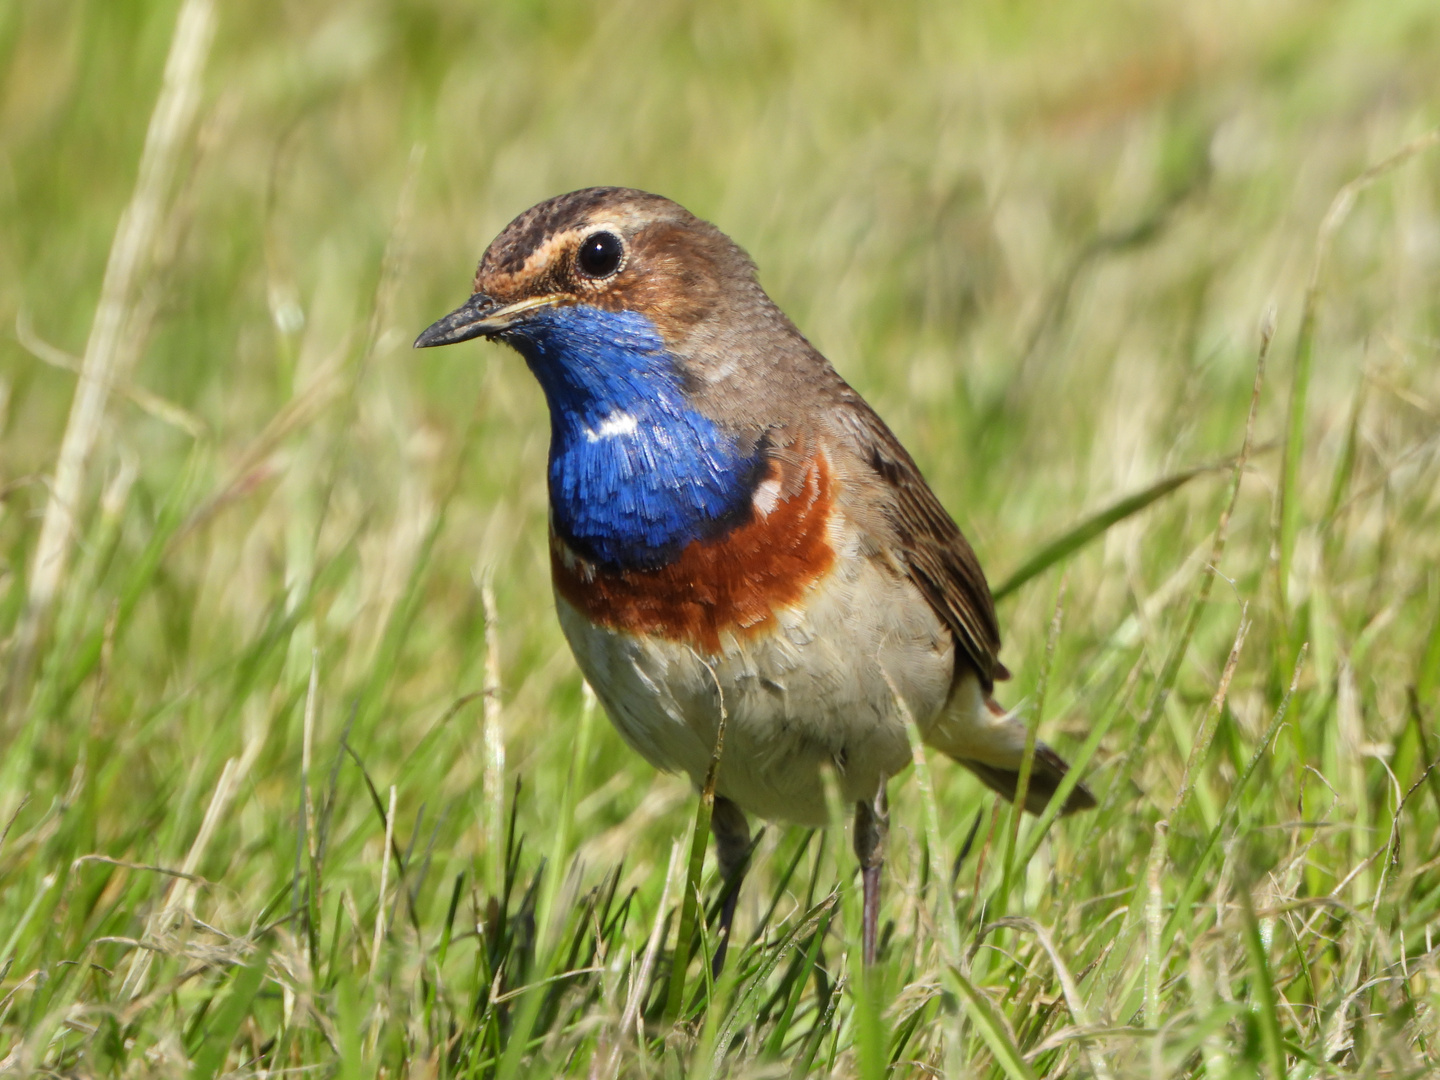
{"type": "Point", "coordinates": [298, 776]}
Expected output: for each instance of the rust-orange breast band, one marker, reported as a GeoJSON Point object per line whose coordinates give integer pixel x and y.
{"type": "Point", "coordinates": [729, 584]}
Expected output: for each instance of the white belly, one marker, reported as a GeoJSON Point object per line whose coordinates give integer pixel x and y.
{"type": "Point", "coordinates": [814, 689]}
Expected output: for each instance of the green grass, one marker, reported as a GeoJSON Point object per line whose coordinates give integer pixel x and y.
{"type": "Point", "coordinates": [306, 577]}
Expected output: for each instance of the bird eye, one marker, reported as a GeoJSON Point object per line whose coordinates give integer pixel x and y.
{"type": "Point", "coordinates": [600, 254]}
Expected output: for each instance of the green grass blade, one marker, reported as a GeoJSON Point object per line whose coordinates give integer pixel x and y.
{"type": "Point", "coordinates": [830, 1003]}
{"type": "Point", "coordinates": [872, 1039]}
{"type": "Point", "coordinates": [1345, 467]}
{"type": "Point", "coordinates": [1232, 805]}
{"type": "Point", "coordinates": [1295, 441]}
{"type": "Point", "coordinates": [1027, 761]}
{"type": "Point", "coordinates": [988, 1022]}
{"type": "Point", "coordinates": [231, 1014]}
{"type": "Point", "coordinates": [1082, 758]}
{"type": "Point", "coordinates": [1264, 991]}
{"type": "Point", "coordinates": [690, 899]}
{"type": "Point", "coordinates": [747, 1006]}
{"type": "Point", "coordinates": [689, 911]}
{"type": "Point", "coordinates": [1201, 596]}
{"type": "Point", "coordinates": [776, 1042]}
{"type": "Point", "coordinates": [1335, 217]}
{"type": "Point", "coordinates": [1427, 678]}
{"type": "Point", "coordinates": [1071, 541]}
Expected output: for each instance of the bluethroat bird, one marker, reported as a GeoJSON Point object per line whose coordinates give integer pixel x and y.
{"type": "Point", "coordinates": [734, 530]}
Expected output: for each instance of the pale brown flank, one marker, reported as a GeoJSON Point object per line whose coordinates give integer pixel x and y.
{"type": "Point", "coordinates": [732, 584]}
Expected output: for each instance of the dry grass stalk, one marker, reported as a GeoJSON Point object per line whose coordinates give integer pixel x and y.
{"type": "Point", "coordinates": [170, 126]}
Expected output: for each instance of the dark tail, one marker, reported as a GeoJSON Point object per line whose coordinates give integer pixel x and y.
{"type": "Point", "coordinates": [1046, 772]}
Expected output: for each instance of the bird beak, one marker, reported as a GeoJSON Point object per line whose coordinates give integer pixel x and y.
{"type": "Point", "coordinates": [480, 316]}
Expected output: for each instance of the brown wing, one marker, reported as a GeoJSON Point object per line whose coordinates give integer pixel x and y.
{"type": "Point", "coordinates": [926, 542]}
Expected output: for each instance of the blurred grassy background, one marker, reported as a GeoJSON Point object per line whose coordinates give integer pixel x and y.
{"type": "Point", "coordinates": [1040, 238]}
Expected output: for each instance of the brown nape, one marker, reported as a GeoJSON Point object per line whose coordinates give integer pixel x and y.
{"type": "Point", "coordinates": [1046, 772]}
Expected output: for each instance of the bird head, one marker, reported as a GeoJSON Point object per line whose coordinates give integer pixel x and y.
{"type": "Point", "coordinates": [617, 251]}
{"type": "Point", "coordinates": [656, 349]}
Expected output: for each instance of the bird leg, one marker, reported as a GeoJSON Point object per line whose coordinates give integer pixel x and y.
{"type": "Point", "coordinates": [872, 823]}
{"type": "Point", "coordinates": [732, 850]}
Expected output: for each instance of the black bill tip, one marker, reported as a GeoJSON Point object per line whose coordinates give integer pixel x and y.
{"type": "Point", "coordinates": [470, 320]}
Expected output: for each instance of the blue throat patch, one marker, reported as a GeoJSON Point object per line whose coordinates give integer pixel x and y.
{"type": "Point", "coordinates": [635, 473]}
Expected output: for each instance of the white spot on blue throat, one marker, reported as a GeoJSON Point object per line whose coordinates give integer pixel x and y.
{"type": "Point", "coordinates": [636, 471]}
{"type": "Point", "coordinates": [616, 424]}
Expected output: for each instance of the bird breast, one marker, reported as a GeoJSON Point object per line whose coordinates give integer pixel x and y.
{"type": "Point", "coordinates": [729, 586]}
{"type": "Point", "coordinates": [815, 651]}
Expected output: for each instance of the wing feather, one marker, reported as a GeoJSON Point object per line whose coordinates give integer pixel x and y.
{"type": "Point", "coordinates": [925, 541]}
